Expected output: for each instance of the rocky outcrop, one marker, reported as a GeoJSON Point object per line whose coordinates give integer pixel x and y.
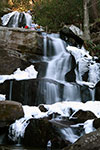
{"type": "Point", "coordinates": [20, 39]}
{"type": "Point", "coordinates": [89, 141]}
{"type": "Point", "coordinates": [81, 116]}
{"type": "Point", "coordinates": [67, 34]}
{"type": "Point", "coordinates": [41, 131]}
{"type": "Point", "coordinates": [97, 91]}
{"type": "Point", "coordinates": [17, 46]}
{"type": "Point", "coordinates": [9, 112]}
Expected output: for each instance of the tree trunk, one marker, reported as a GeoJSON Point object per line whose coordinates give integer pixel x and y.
{"type": "Point", "coordinates": [86, 20]}
{"type": "Point", "coordinates": [94, 9]}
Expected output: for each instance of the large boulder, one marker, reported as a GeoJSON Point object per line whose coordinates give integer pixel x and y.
{"type": "Point", "coordinates": [81, 116]}
{"type": "Point", "coordinates": [41, 131]}
{"type": "Point", "coordinates": [89, 141]}
{"type": "Point", "coordinates": [9, 64]}
{"type": "Point", "coordinates": [68, 34]}
{"type": "Point", "coordinates": [20, 40]}
{"type": "Point", "coordinates": [17, 47]}
{"type": "Point", "coordinates": [9, 112]}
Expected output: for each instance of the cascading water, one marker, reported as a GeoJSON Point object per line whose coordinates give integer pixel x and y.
{"type": "Point", "coordinates": [17, 19]}
{"type": "Point", "coordinates": [59, 61]}
{"type": "Point", "coordinates": [56, 87]}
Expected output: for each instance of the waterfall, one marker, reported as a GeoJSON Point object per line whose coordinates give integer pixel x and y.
{"type": "Point", "coordinates": [16, 19]}
{"type": "Point", "coordinates": [10, 90]}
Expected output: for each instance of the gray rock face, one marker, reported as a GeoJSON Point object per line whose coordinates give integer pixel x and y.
{"type": "Point", "coordinates": [9, 112]}
{"type": "Point", "coordinates": [89, 141]}
{"type": "Point", "coordinates": [17, 46]}
{"type": "Point", "coordinates": [19, 39]}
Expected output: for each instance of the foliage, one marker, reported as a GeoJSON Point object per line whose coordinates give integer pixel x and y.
{"type": "Point", "coordinates": [55, 13]}
{"type": "Point", "coordinates": [94, 49]}
{"type": "Point", "coordinates": [21, 5]}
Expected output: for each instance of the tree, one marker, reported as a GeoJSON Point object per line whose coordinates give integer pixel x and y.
{"type": "Point", "coordinates": [86, 20]}
{"type": "Point", "coordinates": [55, 13]}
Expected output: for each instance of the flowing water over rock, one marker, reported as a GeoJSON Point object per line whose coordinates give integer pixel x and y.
{"type": "Point", "coordinates": [69, 74]}
{"type": "Point", "coordinates": [17, 19]}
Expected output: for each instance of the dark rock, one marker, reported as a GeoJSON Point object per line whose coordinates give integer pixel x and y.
{"type": "Point", "coordinates": [30, 92]}
{"type": "Point", "coordinates": [41, 131]}
{"type": "Point", "coordinates": [85, 94]}
{"type": "Point", "coordinates": [89, 141]}
{"type": "Point", "coordinates": [81, 116]}
{"type": "Point", "coordinates": [70, 76]}
{"type": "Point", "coordinates": [9, 63]}
{"type": "Point", "coordinates": [9, 112]}
{"type": "Point", "coordinates": [97, 91]}
{"type": "Point", "coordinates": [4, 135]}
{"type": "Point", "coordinates": [21, 20]}
{"type": "Point", "coordinates": [85, 76]}
{"type": "Point", "coordinates": [42, 108]}
{"type": "Point", "coordinates": [96, 123]}
{"type": "Point", "coordinates": [68, 35]}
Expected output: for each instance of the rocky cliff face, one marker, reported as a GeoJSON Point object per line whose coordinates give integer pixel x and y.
{"type": "Point", "coordinates": [17, 45]}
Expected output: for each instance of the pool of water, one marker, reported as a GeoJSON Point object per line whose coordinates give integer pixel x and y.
{"type": "Point", "coordinates": [11, 147]}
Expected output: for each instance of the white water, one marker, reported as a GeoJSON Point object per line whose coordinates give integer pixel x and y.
{"type": "Point", "coordinates": [5, 19]}
{"type": "Point", "coordinates": [17, 129]}
{"type": "Point", "coordinates": [59, 63]}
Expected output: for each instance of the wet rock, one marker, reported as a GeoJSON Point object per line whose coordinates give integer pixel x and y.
{"type": "Point", "coordinates": [41, 131]}
{"type": "Point", "coordinates": [20, 40]}
{"type": "Point", "coordinates": [42, 108]}
{"type": "Point", "coordinates": [89, 141]}
{"type": "Point", "coordinates": [96, 123]}
{"type": "Point", "coordinates": [70, 76]}
{"type": "Point", "coordinates": [8, 63]}
{"type": "Point", "coordinates": [9, 112]}
{"type": "Point", "coordinates": [81, 116]}
{"type": "Point", "coordinates": [97, 91]}
{"type": "Point", "coordinates": [69, 36]}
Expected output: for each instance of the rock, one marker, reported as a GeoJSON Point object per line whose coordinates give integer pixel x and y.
{"type": "Point", "coordinates": [81, 116]}
{"type": "Point", "coordinates": [89, 141]}
{"type": "Point", "coordinates": [41, 131]}
{"type": "Point", "coordinates": [20, 40]}
{"type": "Point", "coordinates": [9, 112]}
{"type": "Point", "coordinates": [97, 91]}
{"type": "Point", "coordinates": [96, 123]}
{"type": "Point", "coordinates": [69, 36]}
{"type": "Point", "coordinates": [42, 108]}
{"type": "Point", "coordinates": [9, 63]}
{"type": "Point", "coordinates": [70, 76]}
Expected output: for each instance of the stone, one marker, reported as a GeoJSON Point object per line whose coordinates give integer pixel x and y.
{"type": "Point", "coordinates": [42, 108]}
{"type": "Point", "coordinates": [9, 64]}
{"type": "Point", "coordinates": [41, 131]}
{"type": "Point", "coordinates": [96, 123]}
{"type": "Point", "coordinates": [89, 141]}
{"type": "Point", "coordinates": [69, 36]}
{"type": "Point", "coordinates": [97, 91]}
{"type": "Point", "coordinates": [81, 116]}
{"type": "Point", "coordinates": [20, 40]}
{"type": "Point", "coordinates": [9, 112]}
